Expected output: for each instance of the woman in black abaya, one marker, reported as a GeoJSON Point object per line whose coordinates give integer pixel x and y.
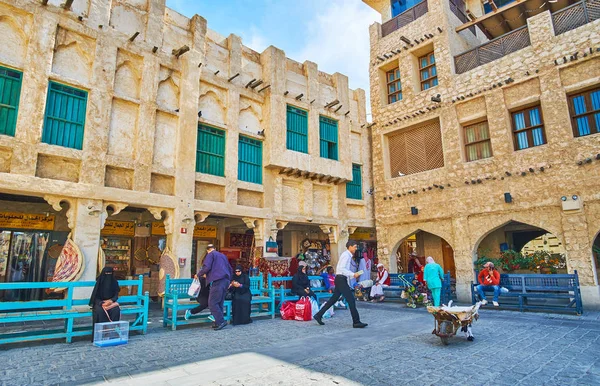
{"type": "Point", "coordinates": [105, 293]}
{"type": "Point", "coordinates": [242, 297]}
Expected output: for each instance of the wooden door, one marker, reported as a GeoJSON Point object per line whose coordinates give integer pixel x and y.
{"type": "Point", "coordinates": [448, 254]}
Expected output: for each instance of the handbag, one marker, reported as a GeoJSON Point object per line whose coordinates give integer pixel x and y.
{"type": "Point", "coordinates": [303, 310]}
{"type": "Point", "coordinates": [271, 246]}
{"type": "Point", "coordinates": [288, 310]}
{"type": "Point", "coordinates": [194, 289]}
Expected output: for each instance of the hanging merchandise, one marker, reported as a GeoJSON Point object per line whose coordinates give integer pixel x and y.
{"type": "Point", "coordinates": [168, 266]}
{"type": "Point", "coordinates": [70, 264]}
{"type": "Point", "coordinates": [271, 246]}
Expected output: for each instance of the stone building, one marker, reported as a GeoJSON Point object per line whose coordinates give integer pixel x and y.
{"type": "Point", "coordinates": [485, 136]}
{"type": "Point", "coordinates": [126, 118]}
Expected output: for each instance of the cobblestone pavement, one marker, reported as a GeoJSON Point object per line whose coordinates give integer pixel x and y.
{"type": "Point", "coordinates": [510, 348]}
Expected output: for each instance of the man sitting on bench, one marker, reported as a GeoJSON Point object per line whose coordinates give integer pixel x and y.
{"type": "Point", "coordinates": [489, 279]}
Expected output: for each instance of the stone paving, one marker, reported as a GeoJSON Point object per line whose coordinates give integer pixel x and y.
{"type": "Point", "coordinates": [510, 348]}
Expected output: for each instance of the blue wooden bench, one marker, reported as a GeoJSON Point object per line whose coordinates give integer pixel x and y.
{"type": "Point", "coordinates": [176, 300]}
{"type": "Point", "coordinates": [397, 285]}
{"type": "Point", "coordinates": [282, 294]}
{"type": "Point", "coordinates": [554, 292]}
{"type": "Point", "coordinates": [67, 309]}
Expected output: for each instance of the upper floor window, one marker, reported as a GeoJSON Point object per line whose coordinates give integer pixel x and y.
{"type": "Point", "coordinates": [528, 128]}
{"type": "Point", "coordinates": [487, 7]}
{"type": "Point", "coordinates": [64, 120]}
{"type": "Point", "coordinates": [354, 187]}
{"type": "Point", "coordinates": [10, 92]}
{"type": "Point", "coordinates": [428, 71]}
{"type": "Point", "coordinates": [210, 151]}
{"type": "Point", "coordinates": [477, 141]}
{"type": "Point", "coordinates": [394, 86]}
{"type": "Point", "coordinates": [249, 160]}
{"type": "Point", "coordinates": [297, 129]}
{"type": "Point", "coordinates": [399, 6]}
{"type": "Point", "coordinates": [585, 112]}
{"type": "Point", "coordinates": [416, 149]}
{"type": "Point", "coordinates": [328, 130]}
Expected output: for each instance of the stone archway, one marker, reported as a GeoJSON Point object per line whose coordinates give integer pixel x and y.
{"type": "Point", "coordinates": [424, 244]}
{"type": "Point", "coordinates": [596, 257]}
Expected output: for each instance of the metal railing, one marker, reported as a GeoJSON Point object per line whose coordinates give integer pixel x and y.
{"type": "Point", "coordinates": [575, 16]}
{"type": "Point", "coordinates": [404, 18]}
{"type": "Point", "coordinates": [492, 50]}
{"type": "Point", "coordinates": [458, 7]}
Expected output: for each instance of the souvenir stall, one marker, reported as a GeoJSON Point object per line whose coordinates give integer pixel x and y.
{"type": "Point", "coordinates": [239, 248]}
{"type": "Point", "coordinates": [367, 248]}
{"type": "Point", "coordinates": [116, 242]}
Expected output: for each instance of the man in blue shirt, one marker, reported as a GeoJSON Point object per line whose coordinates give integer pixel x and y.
{"type": "Point", "coordinates": [218, 275]}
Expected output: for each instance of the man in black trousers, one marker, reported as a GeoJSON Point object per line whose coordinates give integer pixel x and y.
{"type": "Point", "coordinates": [342, 287]}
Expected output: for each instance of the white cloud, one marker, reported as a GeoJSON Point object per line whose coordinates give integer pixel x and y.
{"type": "Point", "coordinates": [255, 39]}
{"type": "Point", "coordinates": [338, 41]}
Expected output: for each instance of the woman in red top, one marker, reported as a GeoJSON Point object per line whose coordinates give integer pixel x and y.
{"type": "Point", "coordinates": [489, 279]}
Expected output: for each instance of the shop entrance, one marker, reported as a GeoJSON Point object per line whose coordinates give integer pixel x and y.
{"type": "Point", "coordinates": [32, 235]}
{"type": "Point", "coordinates": [414, 249]}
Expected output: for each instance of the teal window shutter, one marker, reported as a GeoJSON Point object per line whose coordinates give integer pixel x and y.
{"type": "Point", "coordinates": [297, 129]}
{"type": "Point", "coordinates": [210, 151]}
{"type": "Point", "coordinates": [10, 92]}
{"type": "Point", "coordinates": [250, 160]}
{"type": "Point", "coordinates": [328, 130]}
{"type": "Point", "coordinates": [354, 187]}
{"type": "Point", "coordinates": [64, 121]}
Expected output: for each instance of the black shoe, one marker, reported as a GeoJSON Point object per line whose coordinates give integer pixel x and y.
{"type": "Point", "coordinates": [221, 326]}
{"type": "Point", "coordinates": [214, 325]}
{"type": "Point", "coordinates": [318, 319]}
{"type": "Point", "coordinates": [471, 338]}
{"type": "Point", "coordinates": [360, 325]}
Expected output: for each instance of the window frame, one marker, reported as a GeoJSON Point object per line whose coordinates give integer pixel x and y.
{"type": "Point", "coordinates": [323, 118]}
{"type": "Point", "coordinates": [594, 128]}
{"type": "Point", "coordinates": [64, 89]}
{"type": "Point", "coordinates": [252, 142]}
{"type": "Point", "coordinates": [477, 141]}
{"type": "Point", "coordinates": [217, 132]}
{"type": "Point", "coordinates": [428, 68]}
{"type": "Point", "coordinates": [397, 81]}
{"type": "Point", "coordinates": [288, 131]}
{"type": "Point", "coordinates": [356, 184]}
{"type": "Point", "coordinates": [5, 74]}
{"type": "Point", "coordinates": [528, 129]}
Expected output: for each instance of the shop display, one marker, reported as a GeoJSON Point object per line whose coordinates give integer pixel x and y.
{"type": "Point", "coordinates": [70, 264]}
{"type": "Point", "coordinates": [168, 266]}
{"type": "Point", "coordinates": [117, 253]}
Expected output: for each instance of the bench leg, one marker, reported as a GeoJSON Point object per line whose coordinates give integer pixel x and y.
{"type": "Point", "coordinates": [174, 316]}
{"type": "Point", "coordinates": [146, 311]}
{"type": "Point", "coordinates": [69, 329]}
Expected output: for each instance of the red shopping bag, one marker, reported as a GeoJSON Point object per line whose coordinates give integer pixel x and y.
{"type": "Point", "coordinates": [303, 310]}
{"type": "Point", "coordinates": [288, 310]}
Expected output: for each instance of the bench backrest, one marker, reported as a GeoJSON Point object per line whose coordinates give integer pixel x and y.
{"type": "Point", "coordinates": [396, 278]}
{"type": "Point", "coordinates": [68, 301]}
{"type": "Point", "coordinates": [279, 281]}
{"type": "Point", "coordinates": [181, 286]}
{"type": "Point", "coordinates": [539, 282]}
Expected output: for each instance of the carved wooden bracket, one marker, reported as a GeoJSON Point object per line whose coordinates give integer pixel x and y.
{"type": "Point", "coordinates": [56, 201]}
{"type": "Point", "coordinates": [257, 225]}
{"type": "Point", "coordinates": [117, 207]}
{"type": "Point", "coordinates": [250, 222]}
{"type": "Point", "coordinates": [200, 216]}
{"type": "Point", "coordinates": [168, 220]}
{"type": "Point", "coordinates": [331, 232]}
{"type": "Point", "coordinates": [351, 230]}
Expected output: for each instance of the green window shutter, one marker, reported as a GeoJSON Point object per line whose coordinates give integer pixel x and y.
{"type": "Point", "coordinates": [297, 129]}
{"type": "Point", "coordinates": [64, 121]}
{"type": "Point", "coordinates": [210, 151]}
{"type": "Point", "coordinates": [250, 160]}
{"type": "Point", "coordinates": [328, 130]}
{"type": "Point", "coordinates": [10, 92]}
{"type": "Point", "coordinates": [354, 188]}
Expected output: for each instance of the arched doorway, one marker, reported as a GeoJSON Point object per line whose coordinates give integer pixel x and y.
{"type": "Point", "coordinates": [596, 256]}
{"type": "Point", "coordinates": [520, 247]}
{"type": "Point", "coordinates": [424, 244]}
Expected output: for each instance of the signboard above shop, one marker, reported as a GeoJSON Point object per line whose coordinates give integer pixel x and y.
{"type": "Point", "coordinates": [118, 228]}
{"type": "Point", "coordinates": [200, 231]}
{"type": "Point", "coordinates": [10, 220]}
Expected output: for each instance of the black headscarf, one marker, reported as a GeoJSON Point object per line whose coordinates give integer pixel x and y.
{"type": "Point", "coordinates": [243, 279]}
{"type": "Point", "coordinates": [300, 280]}
{"type": "Point", "coordinates": [107, 286]}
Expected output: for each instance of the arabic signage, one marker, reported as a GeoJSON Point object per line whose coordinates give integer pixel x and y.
{"type": "Point", "coordinates": [200, 231]}
{"type": "Point", "coordinates": [12, 220]}
{"type": "Point", "coordinates": [363, 236]}
{"type": "Point", "coordinates": [118, 228]}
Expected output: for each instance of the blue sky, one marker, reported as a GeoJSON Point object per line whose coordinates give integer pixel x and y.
{"type": "Point", "coordinates": [332, 33]}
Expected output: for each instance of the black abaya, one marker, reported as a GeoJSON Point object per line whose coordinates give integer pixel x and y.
{"type": "Point", "coordinates": [106, 288]}
{"type": "Point", "coordinates": [242, 298]}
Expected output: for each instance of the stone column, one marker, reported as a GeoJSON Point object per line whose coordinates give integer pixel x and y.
{"type": "Point", "coordinates": [86, 215]}
{"type": "Point", "coordinates": [579, 257]}
{"type": "Point", "coordinates": [463, 258]}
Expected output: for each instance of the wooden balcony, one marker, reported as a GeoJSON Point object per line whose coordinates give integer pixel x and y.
{"type": "Point", "coordinates": [405, 18]}
{"type": "Point", "coordinates": [493, 50]}
{"type": "Point", "coordinates": [575, 16]}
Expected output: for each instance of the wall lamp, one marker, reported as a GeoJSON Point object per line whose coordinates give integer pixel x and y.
{"type": "Point", "coordinates": [414, 211]}
{"type": "Point", "coordinates": [437, 98]}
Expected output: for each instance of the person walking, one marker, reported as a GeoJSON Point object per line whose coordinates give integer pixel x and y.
{"type": "Point", "coordinates": [218, 275]}
{"type": "Point", "coordinates": [433, 276]}
{"type": "Point", "coordinates": [342, 287]}
{"type": "Point", "coordinates": [202, 299]}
